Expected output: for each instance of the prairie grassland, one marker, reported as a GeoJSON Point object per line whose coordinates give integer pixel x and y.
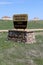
{"type": "Point", "coordinates": [12, 53]}
{"type": "Point", "coordinates": [5, 24]}
{"type": "Point", "coordinates": [35, 24]}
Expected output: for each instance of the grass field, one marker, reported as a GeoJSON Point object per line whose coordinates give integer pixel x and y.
{"type": "Point", "coordinates": [5, 24]}
{"type": "Point", "coordinates": [12, 53]}
{"type": "Point", "coordinates": [19, 53]}
{"type": "Point", "coordinates": [35, 24]}
{"type": "Point", "coordinates": [31, 24]}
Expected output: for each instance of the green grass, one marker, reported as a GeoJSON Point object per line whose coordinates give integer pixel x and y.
{"type": "Point", "coordinates": [35, 24]}
{"type": "Point", "coordinates": [5, 24]}
{"type": "Point", "coordinates": [12, 53]}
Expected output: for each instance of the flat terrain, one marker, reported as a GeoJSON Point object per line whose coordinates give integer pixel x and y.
{"type": "Point", "coordinates": [35, 24]}
{"type": "Point", "coordinates": [20, 53]}
{"type": "Point", "coordinates": [5, 24]}
{"type": "Point", "coordinates": [12, 53]}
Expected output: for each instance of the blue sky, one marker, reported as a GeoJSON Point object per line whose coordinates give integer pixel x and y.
{"type": "Point", "coordinates": [34, 8]}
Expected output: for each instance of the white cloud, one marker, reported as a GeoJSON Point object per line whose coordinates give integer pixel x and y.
{"type": "Point", "coordinates": [14, 2]}
{"type": "Point", "coordinates": [4, 3]}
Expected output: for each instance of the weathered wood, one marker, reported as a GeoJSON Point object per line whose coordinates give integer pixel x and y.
{"type": "Point", "coordinates": [20, 21]}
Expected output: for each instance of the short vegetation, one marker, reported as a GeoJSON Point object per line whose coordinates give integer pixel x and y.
{"type": "Point", "coordinates": [35, 24]}
{"type": "Point", "coordinates": [13, 53]}
{"type": "Point", "coordinates": [8, 24]}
